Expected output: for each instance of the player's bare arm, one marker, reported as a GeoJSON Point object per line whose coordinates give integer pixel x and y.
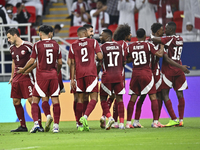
{"type": "Point", "coordinates": [12, 73]}
{"type": "Point", "coordinates": [28, 64]}
{"type": "Point", "coordinates": [155, 39]}
{"type": "Point", "coordinates": [72, 71]}
{"type": "Point", "coordinates": [69, 62]}
{"type": "Point", "coordinates": [160, 52]}
{"type": "Point", "coordinates": [173, 63]}
{"type": "Point", "coordinates": [30, 69]}
{"type": "Point", "coordinates": [59, 65]}
{"type": "Point", "coordinates": [99, 56]}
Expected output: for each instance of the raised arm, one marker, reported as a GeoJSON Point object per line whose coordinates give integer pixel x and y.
{"type": "Point", "coordinates": [160, 52]}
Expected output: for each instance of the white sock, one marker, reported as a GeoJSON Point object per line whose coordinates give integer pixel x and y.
{"type": "Point", "coordinates": [175, 120]}
{"type": "Point", "coordinates": [85, 116]}
{"type": "Point", "coordinates": [155, 121]}
{"type": "Point", "coordinates": [180, 120]}
{"type": "Point", "coordinates": [128, 122]}
{"type": "Point", "coordinates": [136, 121]}
{"type": "Point", "coordinates": [36, 122]}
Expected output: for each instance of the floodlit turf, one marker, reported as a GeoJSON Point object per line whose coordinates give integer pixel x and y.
{"type": "Point", "coordinates": [170, 138]}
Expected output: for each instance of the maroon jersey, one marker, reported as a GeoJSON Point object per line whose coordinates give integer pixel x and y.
{"type": "Point", "coordinates": [46, 52]}
{"type": "Point", "coordinates": [124, 46]}
{"type": "Point", "coordinates": [83, 52]}
{"type": "Point", "coordinates": [173, 46]}
{"type": "Point", "coordinates": [140, 53]}
{"type": "Point", "coordinates": [113, 59]}
{"type": "Point", "coordinates": [21, 55]}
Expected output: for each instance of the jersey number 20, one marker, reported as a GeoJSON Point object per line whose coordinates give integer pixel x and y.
{"type": "Point", "coordinates": [139, 58]}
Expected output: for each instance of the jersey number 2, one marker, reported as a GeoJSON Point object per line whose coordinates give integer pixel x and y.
{"type": "Point", "coordinates": [84, 52]}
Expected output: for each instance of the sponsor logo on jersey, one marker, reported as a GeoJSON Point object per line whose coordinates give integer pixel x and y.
{"type": "Point", "coordinates": [23, 52]}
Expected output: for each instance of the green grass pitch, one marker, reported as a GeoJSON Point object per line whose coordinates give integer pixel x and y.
{"type": "Point", "coordinates": [69, 138]}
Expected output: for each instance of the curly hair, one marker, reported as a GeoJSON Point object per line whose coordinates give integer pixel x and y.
{"type": "Point", "coordinates": [121, 32]}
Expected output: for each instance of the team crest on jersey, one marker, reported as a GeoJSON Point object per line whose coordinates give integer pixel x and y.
{"type": "Point", "coordinates": [23, 52]}
{"type": "Point", "coordinates": [12, 53]}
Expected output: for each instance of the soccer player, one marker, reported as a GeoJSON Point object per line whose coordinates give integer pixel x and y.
{"type": "Point", "coordinates": [82, 55]}
{"type": "Point", "coordinates": [47, 53]}
{"type": "Point", "coordinates": [142, 80]}
{"type": "Point", "coordinates": [112, 77]}
{"type": "Point", "coordinates": [173, 76]}
{"type": "Point", "coordinates": [22, 85]}
{"type": "Point", "coordinates": [157, 31]}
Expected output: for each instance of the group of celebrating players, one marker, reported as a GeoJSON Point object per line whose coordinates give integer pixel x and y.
{"type": "Point", "coordinates": [86, 58]}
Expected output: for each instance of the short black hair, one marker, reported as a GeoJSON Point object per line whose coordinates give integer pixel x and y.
{"type": "Point", "coordinates": [102, 1]}
{"type": "Point", "coordinates": [45, 29]}
{"type": "Point", "coordinates": [81, 29]}
{"type": "Point", "coordinates": [108, 31]}
{"type": "Point", "coordinates": [57, 26]}
{"type": "Point", "coordinates": [13, 31]}
{"type": "Point", "coordinates": [172, 25]}
{"type": "Point", "coordinates": [140, 33]}
{"type": "Point", "coordinates": [87, 26]}
{"type": "Point", "coordinates": [18, 5]}
{"type": "Point", "coordinates": [121, 32]}
{"type": "Point", "coordinates": [51, 28]}
{"type": "Point", "coordinates": [155, 27]}
{"type": "Point", "coordinates": [8, 5]}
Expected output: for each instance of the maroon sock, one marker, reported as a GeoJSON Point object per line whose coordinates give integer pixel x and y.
{"type": "Point", "coordinates": [115, 111]}
{"type": "Point", "coordinates": [105, 109]}
{"type": "Point", "coordinates": [56, 113]}
{"type": "Point", "coordinates": [34, 111]}
{"type": "Point", "coordinates": [159, 107]}
{"type": "Point", "coordinates": [155, 109]}
{"type": "Point", "coordinates": [181, 107]}
{"type": "Point", "coordinates": [79, 112]}
{"type": "Point", "coordinates": [170, 110]}
{"type": "Point", "coordinates": [121, 111]}
{"type": "Point", "coordinates": [138, 109]}
{"type": "Point", "coordinates": [39, 117]}
{"type": "Point", "coordinates": [109, 102]}
{"type": "Point", "coordinates": [85, 103]}
{"type": "Point", "coordinates": [90, 107]}
{"type": "Point", "coordinates": [20, 114]}
{"type": "Point", "coordinates": [46, 108]}
{"type": "Point", "coordinates": [130, 110]}
{"type": "Point", "coordinates": [74, 107]}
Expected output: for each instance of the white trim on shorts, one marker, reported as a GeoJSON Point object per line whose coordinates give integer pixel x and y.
{"type": "Point", "coordinates": [184, 86]}
{"type": "Point", "coordinates": [148, 87]}
{"type": "Point", "coordinates": [106, 89]}
{"type": "Point", "coordinates": [168, 82]}
{"type": "Point", "coordinates": [92, 86]}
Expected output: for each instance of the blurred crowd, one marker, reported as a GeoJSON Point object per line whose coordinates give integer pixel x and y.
{"type": "Point", "coordinates": [102, 13]}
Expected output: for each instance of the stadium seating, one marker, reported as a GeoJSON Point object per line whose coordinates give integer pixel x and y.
{"type": "Point", "coordinates": [73, 31]}
{"type": "Point", "coordinates": [113, 27]}
{"type": "Point", "coordinates": [31, 10]}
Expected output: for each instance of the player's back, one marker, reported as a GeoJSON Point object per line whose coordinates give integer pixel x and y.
{"type": "Point", "coordinates": [84, 54]}
{"type": "Point", "coordinates": [140, 53]}
{"type": "Point", "coordinates": [113, 59]}
{"type": "Point", "coordinates": [47, 54]}
{"type": "Point", "coordinates": [21, 55]}
{"type": "Point", "coordinates": [173, 46]}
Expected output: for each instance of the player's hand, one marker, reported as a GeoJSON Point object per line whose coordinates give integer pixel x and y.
{"type": "Point", "coordinates": [21, 70]}
{"type": "Point", "coordinates": [184, 68]}
{"type": "Point", "coordinates": [27, 71]}
{"type": "Point", "coordinates": [104, 8]}
{"type": "Point", "coordinates": [10, 81]}
{"type": "Point", "coordinates": [73, 84]}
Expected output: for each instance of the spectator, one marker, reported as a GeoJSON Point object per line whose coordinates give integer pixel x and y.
{"type": "Point", "coordinates": [14, 2]}
{"type": "Point", "coordinates": [4, 16]}
{"type": "Point", "coordinates": [126, 10]}
{"type": "Point", "coordinates": [112, 11]}
{"type": "Point", "coordinates": [38, 6]}
{"type": "Point", "coordinates": [8, 6]}
{"type": "Point", "coordinates": [79, 9]}
{"type": "Point", "coordinates": [91, 4]}
{"type": "Point", "coordinates": [11, 21]}
{"type": "Point", "coordinates": [22, 16]}
{"type": "Point", "coordinates": [189, 35]}
{"type": "Point", "coordinates": [146, 15]}
{"type": "Point", "coordinates": [99, 18]}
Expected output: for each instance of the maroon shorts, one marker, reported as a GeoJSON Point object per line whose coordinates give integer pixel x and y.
{"type": "Point", "coordinates": [22, 89]}
{"type": "Point", "coordinates": [141, 85]}
{"type": "Point", "coordinates": [87, 84]}
{"type": "Point", "coordinates": [108, 88]}
{"type": "Point", "coordinates": [43, 88]}
{"type": "Point", "coordinates": [158, 81]}
{"type": "Point", "coordinates": [179, 83]}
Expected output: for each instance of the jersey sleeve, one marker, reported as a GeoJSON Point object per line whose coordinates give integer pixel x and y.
{"type": "Point", "coordinates": [153, 48]}
{"type": "Point", "coordinates": [96, 47]}
{"type": "Point", "coordinates": [34, 52]}
{"type": "Point", "coordinates": [71, 53]}
{"type": "Point", "coordinates": [59, 54]}
{"type": "Point", "coordinates": [166, 40]}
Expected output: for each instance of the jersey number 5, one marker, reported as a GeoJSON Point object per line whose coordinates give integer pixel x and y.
{"type": "Point", "coordinates": [49, 54]}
